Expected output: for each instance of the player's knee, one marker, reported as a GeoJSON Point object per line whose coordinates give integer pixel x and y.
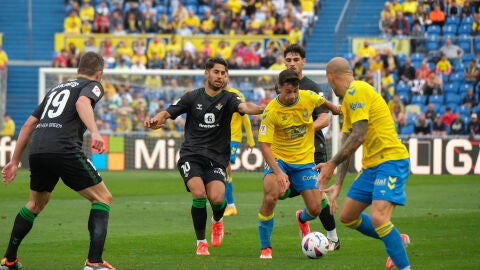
{"type": "Point", "coordinates": [314, 211]}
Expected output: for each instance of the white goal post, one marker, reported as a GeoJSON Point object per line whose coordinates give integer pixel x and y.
{"type": "Point", "coordinates": [258, 78]}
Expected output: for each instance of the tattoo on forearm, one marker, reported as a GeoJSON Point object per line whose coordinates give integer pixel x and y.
{"type": "Point", "coordinates": [351, 142]}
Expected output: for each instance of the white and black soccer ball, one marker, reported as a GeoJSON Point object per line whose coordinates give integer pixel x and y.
{"type": "Point", "coordinates": [315, 245]}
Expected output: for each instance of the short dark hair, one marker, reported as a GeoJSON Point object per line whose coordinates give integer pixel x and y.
{"type": "Point", "coordinates": [90, 63]}
{"type": "Point", "coordinates": [216, 60]}
{"type": "Point", "coordinates": [295, 48]}
{"type": "Point", "coordinates": [288, 76]}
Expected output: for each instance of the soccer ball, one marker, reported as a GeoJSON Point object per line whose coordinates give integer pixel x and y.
{"type": "Point", "coordinates": [315, 245]}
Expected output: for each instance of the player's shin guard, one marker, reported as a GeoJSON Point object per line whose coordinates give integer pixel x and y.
{"type": "Point", "coordinates": [364, 225]}
{"type": "Point", "coordinates": [22, 225]}
{"type": "Point", "coordinates": [218, 210]}
{"type": "Point", "coordinates": [97, 226]}
{"type": "Point", "coordinates": [199, 216]}
{"type": "Point", "coordinates": [265, 229]}
{"type": "Point", "coordinates": [393, 244]}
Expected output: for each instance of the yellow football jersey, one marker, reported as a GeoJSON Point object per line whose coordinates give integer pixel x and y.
{"type": "Point", "coordinates": [239, 120]}
{"type": "Point", "coordinates": [362, 102]}
{"type": "Point", "coordinates": [289, 128]}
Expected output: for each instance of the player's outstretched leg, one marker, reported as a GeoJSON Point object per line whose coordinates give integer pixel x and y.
{"type": "Point", "coordinates": [328, 222]}
{"type": "Point", "coordinates": [406, 241]}
{"type": "Point", "coordinates": [97, 226]}
{"type": "Point", "coordinates": [231, 209]}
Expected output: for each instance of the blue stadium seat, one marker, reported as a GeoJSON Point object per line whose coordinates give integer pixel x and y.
{"type": "Point", "coordinates": [450, 29]}
{"type": "Point", "coordinates": [457, 78]}
{"type": "Point", "coordinates": [434, 30]}
{"type": "Point", "coordinates": [402, 87]}
{"type": "Point", "coordinates": [407, 130]}
{"type": "Point", "coordinates": [476, 43]}
{"type": "Point", "coordinates": [462, 90]}
{"type": "Point", "coordinates": [452, 20]}
{"type": "Point", "coordinates": [436, 99]}
{"type": "Point", "coordinates": [349, 56]}
{"type": "Point", "coordinates": [418, 100]}
{"type": "Point", "coordinates": [465, 29]}
{"type": "Point", "coordinates": [452, 99]}
{"type": "Point", "coordinates": [417, 57]}
{"type": "Point", "coordinates": [467, 20]}
{"type": "Point", "coordinates": [450, 88]}
{"type": "Point", "coordinates": [465, 42]}
{"type": "Point", "coordinates": [464, 110]}
{"type": "Point", "coordinates": [401, 58]}
{"type": "Point", "coordinates": [433, 43]}
{"type": "Point", "coordinates": [467, 57]}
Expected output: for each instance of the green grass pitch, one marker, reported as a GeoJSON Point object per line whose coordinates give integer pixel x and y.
{"type": "Point", "coordinates": [151, 228]}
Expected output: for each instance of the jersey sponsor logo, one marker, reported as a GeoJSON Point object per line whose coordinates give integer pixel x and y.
{"type": "Point", "coordinates": [199, 107]}
{"type": "Point", "coordinates": [96, 91]}
{"type": "Point", "coordinates": [263, 129]}
{"type": "Point", "coordinates": [357, 105]}
{"type": "Point", "coordinates": [219, 106]}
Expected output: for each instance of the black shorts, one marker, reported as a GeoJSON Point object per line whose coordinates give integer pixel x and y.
{"type": "Point", "coordinates": [76, 171]}
{"type": "Point", "coordinates": [205, 168]}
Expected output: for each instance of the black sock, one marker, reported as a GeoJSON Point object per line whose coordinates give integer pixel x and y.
{"type": "Point", "coordinates": [199, 217]}
{"type": "Point", "coordinates": [218, 210]}
{"type": "Point", "coordinates": [97, 226]}
{"type": "Point", "coordinates": [327, 219]}
{"type": "Point", "coordinates": [23, 224]}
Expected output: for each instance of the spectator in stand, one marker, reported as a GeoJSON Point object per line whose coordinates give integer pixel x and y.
{"type": "Point", "coordinates": [390, 60]}
{"type": "Point", "coordinates": [90, 45]}
{"type": "Point", "coordinates": [187, 60]}
{"type": "Point", "coordinates": [376, 65]}
{"type": "Point", "coordinates": [422, 126]}
{"type": "Point", "coordinates": [116, 19]}
{"type": "Point", "coordinates": [439, 128]}
{"type": "Point", "coordinates": [162, 23]}
{"type": "Point", "coordinates": [466, 9]}
{"type": "Point", "coordinates": [124, 123]}
{"type": "Point", "coordinates": [359, 71]}
{"type": "Point", "coordinates": [180, 11]}
{"type": "Point", "coordinates": [396, 101]}
{"type": "Point", "coordinates": [387, 85]}
{"type": "Point", "coordinates": [476, 24]}
{"type": "Point", "coordinates": [8, 128]}
{"type": "Point", "coordinates": [423, 71]}
{"type": "Point", "coordinates": [124, 50]}
{"type": "Point", "coordinates": [454, 9]}
{"type": "Point", "coordinates": [61, 59]}
{"type": "Point", "coordinates": [184, 30]}
{"type": "Point", "coordinates": [157, 46]}
{"type": "Point", "coordinates": [73, 51]}
{"type": "Point", "coordinates": [223, 24]}
{"type": "Point", "coordinates": [103, 8]}
{"type": "Point", "coordinates": [171, 60]}
{"type": "Point", "coordinates": [108, 51]}
{"type": "Point", "coordinates": [132, 25]}
{"type": "Point", "coordinates": [430, 113]}
{"type": "Point", "coordinates": [474, 127]}
{"type": "Point", "coordinates": [469, 99]}
{"type": "Point", "coordinates": [223, 49]}
{"type": "Point", "coordinates": [471, 72]}
{"type": "Point", "coordinates": [457, 127]}
{"type": "Point", "coordinates": [207, 23]}
{"type": "Point", "coordinates": [192, 20]}
{"type": "Point", "coordinates": [385, 24]}
{"type": "Point", "coordinates": [149, 23]}
{"type": "Point", "coordinates": [139, 56]}
{"type": "Point", "coordinates": [432, 86]}
{"type": "Point", "coordinates": [250, 56]}
{"type": "Point", "coordinates": [396, 6]}
{"type": "Point", "coordinates": [406, 72]}
{"type": "Point", "coordinates": [365, 53]}
{"type": "Point", "coordinates": [410, 7]}
{"type": "Point", "coordinates": [3, 59]}
{"type": "Point", "coordinates": [399, 118]}
{"type": "Point", "coordinates": [421, 16]}
{"type": "Point", "coordinates": [87, 12]}
{"type": "Point", "coordinates": [72, 24]}
{"type": "Point", "coordinates": [448, 116]}
{"type": "Point", "coordinates": [443, 66]}
{"type": "Point", "coordinates": [101, 24]}
{"type": "Point", "coordinates": [400, 26]}
{"type": "Point", "coordinates": [453, 52]}
{"type": "Point", "coordinates": [122, 65]}
{"type": "Point", "coordinates": [437, 16]}
{"type": "Point", "coordinates": [417, 39]}
{"type": "Point", "coordinates": [278, 65]}
{"type": "Point", "coordinates": [174, 46]}
{"type": "Point", "coordinates": [268, 59]}
{"type": "Point", "coordinates": [387, 9]}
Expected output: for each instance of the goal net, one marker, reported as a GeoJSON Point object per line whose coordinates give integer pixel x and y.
{"type": "Point", "coordinates": [140, 149]}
